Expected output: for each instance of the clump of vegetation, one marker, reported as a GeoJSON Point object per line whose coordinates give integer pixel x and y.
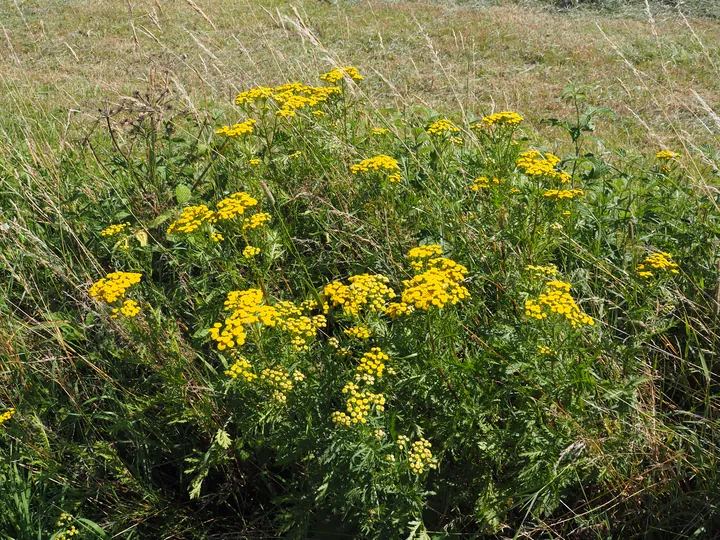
{"type": "Point", "coordinates": [317, 320]}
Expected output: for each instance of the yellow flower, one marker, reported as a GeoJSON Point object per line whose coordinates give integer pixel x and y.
{"type": "Point", "coordinates": [549, 271]}
{"type": "Point", "coordinates": [440, 284]}
{"type": "Point", "coordinates": [379, 163]}
{"type": "Point", "coordinates": [557, 299]}
{"type": "Point", "coordinates": [442, 126]}
{"type": "Point", "coordinates": [483, 182]}
{"type": "Point", "coordinates": [395, 309]}
{"type": "Point", "coordinates": [236, 130]}
{"type": "Point", "coordinates": [114, 285]}
{"type": "Point", "coordinates": [533, 163]}
{"type": "Point", "coordinates": [191, 218]}
{"type": "Point", "coordinates": [358, 332]}
{"type": "Point", "coordinates": [336, 75]}
{"type": "Point", "coordinates": [234, 205]}
{"type": "Point", "coordinates": [545, 351]}
{"type": "Point", "coordinates": [657, 262]}
{"type": "Point", "coordinates": [420, 456]}
{"type": "Point", "coordinates": [667, 155]}
{"type": "Point", "coordinates": [288, 98]}
{"type": "Point", "coordinates": [114, 229]}
{"type": "Point", "coordinates": [560, 194]}
{"type": "Point", "coordinates": [130, 308]}
{"type": "Point", "coordinates": [217, 237]}
{"type": "Point", "coordinates": [372, 364]}
{"type": "Point", "coordinates": [258, 220]}
{"type": "Point", "coordinates": [254, 161]}
{"type": "Point", "coordinates": [365, 291]}
{"type": "Point", "coordinates": [7, 415]}
{"type": "Point", "coordinates": [358, 405]}
{"type": "Point", "coordinates": [418, 255]}
{"type": "Point", "coordinates": [504, 118]}
{"type": "Point", "coordinates": [241, 368]}
{"type": "Point", "coordinates": [380, 131]}
{"type": "Point", "coordinates": [249, 252]}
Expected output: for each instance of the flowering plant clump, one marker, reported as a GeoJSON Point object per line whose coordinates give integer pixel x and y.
{"type": "Point", "coordinates": [440, 127]}
{"type": "Point", "coordinates": [504, 118]}
{"type": "Point", "coordinates": [418, 256]}
{"type": "Point", "coordinates": [667, 155]}
{"type": "Point", "coordinates": [533, 163]}
{"type": "Point", "coordinates": [114, 286]}
{"type": "Point", "coordinates": [557, 299]}
{"type": "Point", "coordinates": [365, 292]}
{"type": "Point", "coordinates": [288, 98]}
{"type": "Point", "coordinates": [483, 182]}
{"type": "Point", "coordinates": [234, 205]}
{"type": "Point", "coordinates": [549, 270]}
{"type": "Point", "coordinates": [358, 332]}
{"type": "Point", "coordinates": [420, 456]}
{"type": "Point", "coordinates": [440, 284]}
{"type": "Point", "coordinates": [112, 230]}
{"type": "Point", "coordinates": [241, 368]}
{"type": "Point", "coordinates": [280, 381]}
{"type": "Point", "coordinates": [339, 73]}
{"type": "Point", "coordinates": [243, 128]}
{"type": "Point", "coordinates": [656, 264]}
{"type": "Point", "coordinates": [372, 365]}
{"type": "Point", "coordinates": [359, 404]}
{"type": "Point", "coordinates": [191, 219]}
{"type": "Point", "coordinates": [379, 163]}
{"type": "Point", "coordinates": [560, 194]}
{"type": "Point", "coordinates": [7, 415]}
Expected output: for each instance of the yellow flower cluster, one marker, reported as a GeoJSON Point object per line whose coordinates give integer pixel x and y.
{"type": "Point", "coordinates": [549, 270]}
{"type": "Point", "coordinates": [7, 415]}
{"type": "Point", "coordinates": [130, 308]}
{"type": "Point", "coordinates": [372, 364]}
{"type": "Point", "coordinates": [217, 237]}
{"type": "Point", "coordinates": [258, 220]}
{"type": "Point", "coordinates": [250, 251]}
{"type": "Point", "coordinates": [358, 332]}
{"type": "Point", "coordinates": [667, 155]}
{"type": "Point", "coordinates": [402, 441]}
{"type": "Point", "coordinates": [241, 368]}
{"type": "Point", "coordinates": [234, 205]}
{"type": "Point", "coordinates": [69, 533]}
{"type": "Point", "coordinates": [336, 75]}
{"type": "Point", "coordinates": [365, 291]}
{"type": "Point", "coordinates": [533, 163]}
{"type": "Point", "coordinates": [560, 194]}
{"type": "Point", "coordinates": [190, 220]}
{"type": "Point", "coordinates": [281, 381]}
{"type": "Point", "coordinates": [289, 97]}
{"type": "Point", "coordinates": [380, 131]}
{"type": "Point", "coordinates": [420, 456]}
{"type": "Point", "coordinates": [557, 299]}
{"type": "Point", "coordinates": [660, 261]}
{"type": "Point", "coordinates": [442, 126]}
{"type": "Point", "coordinates": [114, 286]}
{"type": "Point", "coordinates": [358, 405]}
{"type": "Point", "coordinates": [483, 183]}
{"type": "Point", "coordinates": [247, 308]}
{"type": "Point", "coordinates": [440, 284]}
{"type": "Point", "coordinates": [254, 161]}
{"type": "Point", "coordinates": [507, 118]}
{"type": "Point", "coordinates": [114, 229]}
{"type": "Point", "coordinates": [545, 351]}
{"type": "Point", "coordinates": [418, 255]}
{"type": "Point", "coordinates": [291, 319]}
{"type": "Point", "coordinates": [379, 163]}
{"type": "Point", "coordinates": [237, 129]}
{"type": "Point", "coordinates": [395, 309]}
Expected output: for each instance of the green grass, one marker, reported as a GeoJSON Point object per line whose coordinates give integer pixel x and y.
{"type": "Point", "coordinates": [133, 427]}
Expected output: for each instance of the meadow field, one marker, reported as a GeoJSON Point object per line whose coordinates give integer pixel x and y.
{"type": "Point", "coordinates": [322, 269]}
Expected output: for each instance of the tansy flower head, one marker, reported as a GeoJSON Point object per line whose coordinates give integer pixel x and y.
{"type": "Point", "coordinates": [191, 218]}
{"type": "Point", "coordinates": [504, 118]}
{"type": "Point", "coordinates": [667, 155]}
{"type": "Point", "coordinates": [112, 230]}
{"type": "Point", "coordinates": [557, 299]}
{"type": "Point", "coordinates": [380, 163]}
{"type": "Point", "coordinates": [560, 194]}
{"type": "Point", "coordinates": [339, 73]}
{"type": "Point", "coordinates": [113, 286]}
{"type": "Point", "coordinates": [442, 126]}
{"type": "Point", "coordinates": [483, 183]}
{"type": "Point", "coordinates": [657, 263]}
{"type": "Point", "coordinates": [250, 251]}
{"type": "Point", "coordinates": [234, 205]}
{"type": "Point", "coordinates": [7, 415]}
{"type": "Point", "coordinates": [533, 163]}
{"type": "Point", "coordinates": [236, 130]}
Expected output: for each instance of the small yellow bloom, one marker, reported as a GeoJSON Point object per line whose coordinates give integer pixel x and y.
{"type": "Point", "coordinates": [249, 252]}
